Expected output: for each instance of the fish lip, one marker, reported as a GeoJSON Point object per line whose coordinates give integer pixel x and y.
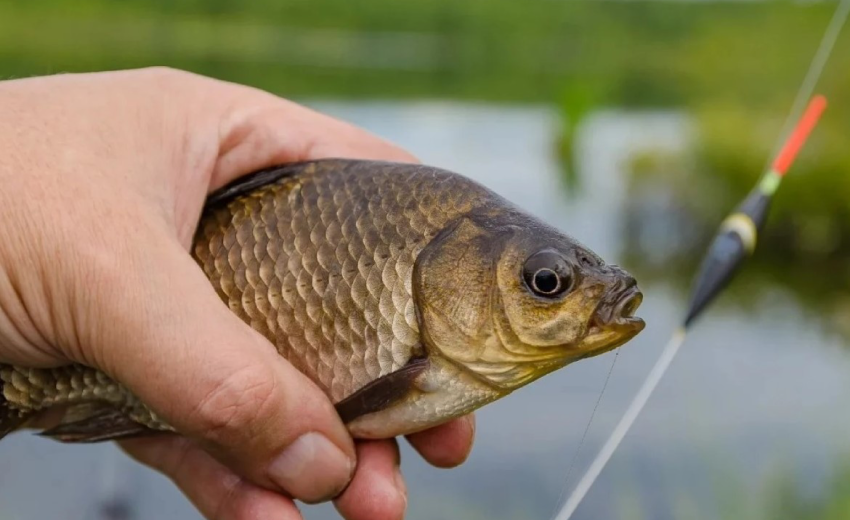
{"type": "Point", "coordinates": [624, 310]}
{"type": "Point", "coordinates": [620, 315]}
{"type": "Point", "coordinates": [614, 323]}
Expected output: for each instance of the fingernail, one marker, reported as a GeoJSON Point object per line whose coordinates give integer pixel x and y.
{"type": "Point", "coordinates": [401, 486]}
{"type": "Point", "coordinates": [471, 421]}
{"type": "Point", "coordinates": [312, 469]}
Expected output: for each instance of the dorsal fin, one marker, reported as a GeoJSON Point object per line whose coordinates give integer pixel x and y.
{"type": "Point", "coordinates": [258, 179]}
{"type": "Point", "coordinates": [250, 182]}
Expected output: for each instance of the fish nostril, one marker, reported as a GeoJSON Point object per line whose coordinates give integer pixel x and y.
{"type": "Point", "coordinates": [586, 260]}
{"type": "Point", "coordinates": [623, 278]}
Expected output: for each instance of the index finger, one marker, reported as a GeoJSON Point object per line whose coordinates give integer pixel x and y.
{"type": "Point", "coordinates": [260, 129]}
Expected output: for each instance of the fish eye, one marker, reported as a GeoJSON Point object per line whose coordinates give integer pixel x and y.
{"type": "Point", "coordinates": [547, 274]}
{"type": "Point", "coordinates": [545, 281]}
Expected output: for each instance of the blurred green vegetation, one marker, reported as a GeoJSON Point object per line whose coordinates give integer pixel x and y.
{"type": "Point", "coordinates": [581, 53]}
{"type": "Point", "coordinates": [781, 497]}
{"type": "Point", "coordinates": [718, 491]}
{"type": "Point", "coordinates": [497, 50]}
{"type": "Point", "coordinates": [738, 78]}
{"type": "Point", "coordinates": [734, 66]}
{"type": "Point", "coordinates": [802, 252]}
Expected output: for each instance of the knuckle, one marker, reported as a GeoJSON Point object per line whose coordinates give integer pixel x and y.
{"type": "Point", "coordinates": [162, 73]}
{"type": "Point", "coordinates": [166, 85]}
{"type": "Point", "coordinates": [238, 407]}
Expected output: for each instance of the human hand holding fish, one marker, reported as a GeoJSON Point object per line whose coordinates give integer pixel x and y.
{"type": "Point", "coordinates": [104, 176]}
{"type": "Point", "coordinates": [150, 286]}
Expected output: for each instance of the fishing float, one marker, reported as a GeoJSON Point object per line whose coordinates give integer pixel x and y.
{"type": "Point", "coordinates": [736, 239]}
{"type": "Point", "coordinates": [734, 242]}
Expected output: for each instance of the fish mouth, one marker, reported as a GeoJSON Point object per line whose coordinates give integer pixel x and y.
{"type": "Point", "coordinates": [626, 306]}
{"type": "Point", "coordinates": [620, 316]}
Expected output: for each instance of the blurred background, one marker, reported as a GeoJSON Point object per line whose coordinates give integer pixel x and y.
{"type": "Point", "coordinates": [632, 125]}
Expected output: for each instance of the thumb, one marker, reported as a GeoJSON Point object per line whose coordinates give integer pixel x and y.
{"type": "Point", "coordinates": [162, 331]}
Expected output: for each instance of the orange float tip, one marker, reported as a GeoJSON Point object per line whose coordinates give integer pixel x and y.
{"type": "Point", "coordinates": [798, 137]}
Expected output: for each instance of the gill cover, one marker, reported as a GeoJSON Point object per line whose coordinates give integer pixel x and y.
{"type": "Point", "coordinates": [453, 286]}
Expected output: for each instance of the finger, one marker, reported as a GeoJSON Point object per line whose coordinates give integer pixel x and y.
{"type": "Point", "coordinates": [447, 445]}
{"type": "Point", "coordinates": [162, 331]}
{"type": "Point", "coordinates": [377, 490]}
{"type": "Point", "coordinates": [217, 492]}
{"type": "Point", "coordinates": [261, 130]}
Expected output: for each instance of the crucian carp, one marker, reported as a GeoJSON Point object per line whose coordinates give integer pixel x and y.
{"type": "Point", "coordinates": [409, 294]}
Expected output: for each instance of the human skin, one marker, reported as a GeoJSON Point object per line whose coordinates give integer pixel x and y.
{"type": "Point", "coordinates": [104, 176]}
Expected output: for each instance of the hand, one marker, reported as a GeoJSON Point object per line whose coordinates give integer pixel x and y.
{"type": "Point", "coordinates": [103, 179]}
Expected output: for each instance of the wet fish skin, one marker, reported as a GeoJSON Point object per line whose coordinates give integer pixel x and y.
{"type": "Point", "coordinates": [399, 289]}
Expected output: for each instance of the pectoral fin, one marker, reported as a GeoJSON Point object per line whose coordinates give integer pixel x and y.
{"type": "Point", "coordinates": [382, 392]}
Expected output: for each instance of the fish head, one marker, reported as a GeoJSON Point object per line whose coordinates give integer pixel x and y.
{"type": "Point", "coordinates": [510, 299]}
{"type": "Point", "coordinates": [501, 300]}
{"type": "Point", "coordinates": [560, 302]}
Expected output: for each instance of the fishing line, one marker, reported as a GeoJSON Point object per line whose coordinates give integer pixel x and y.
{"type": "Point", "coordinates": [587, 428]}
{"type": "Point", "coordinates": [623, 426]}
{"type": "Point", "coordinates": [729, 247]}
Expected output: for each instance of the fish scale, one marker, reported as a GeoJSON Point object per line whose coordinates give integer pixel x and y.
{"type": "Point", "coordinates": [29, 389]}
{"type": "Point", "coordinates": [343, 325]}
{"type": "Point", "coordinates": [320, 263]}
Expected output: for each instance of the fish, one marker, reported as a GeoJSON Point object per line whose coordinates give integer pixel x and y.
{"type": "Point", "coordinates": [409, 294]}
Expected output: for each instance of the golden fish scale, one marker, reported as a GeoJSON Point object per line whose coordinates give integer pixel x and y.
{"type": "Point", "coordinates": [30, 389]}
{"type": "Point", "coordinates": [321, 264]}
